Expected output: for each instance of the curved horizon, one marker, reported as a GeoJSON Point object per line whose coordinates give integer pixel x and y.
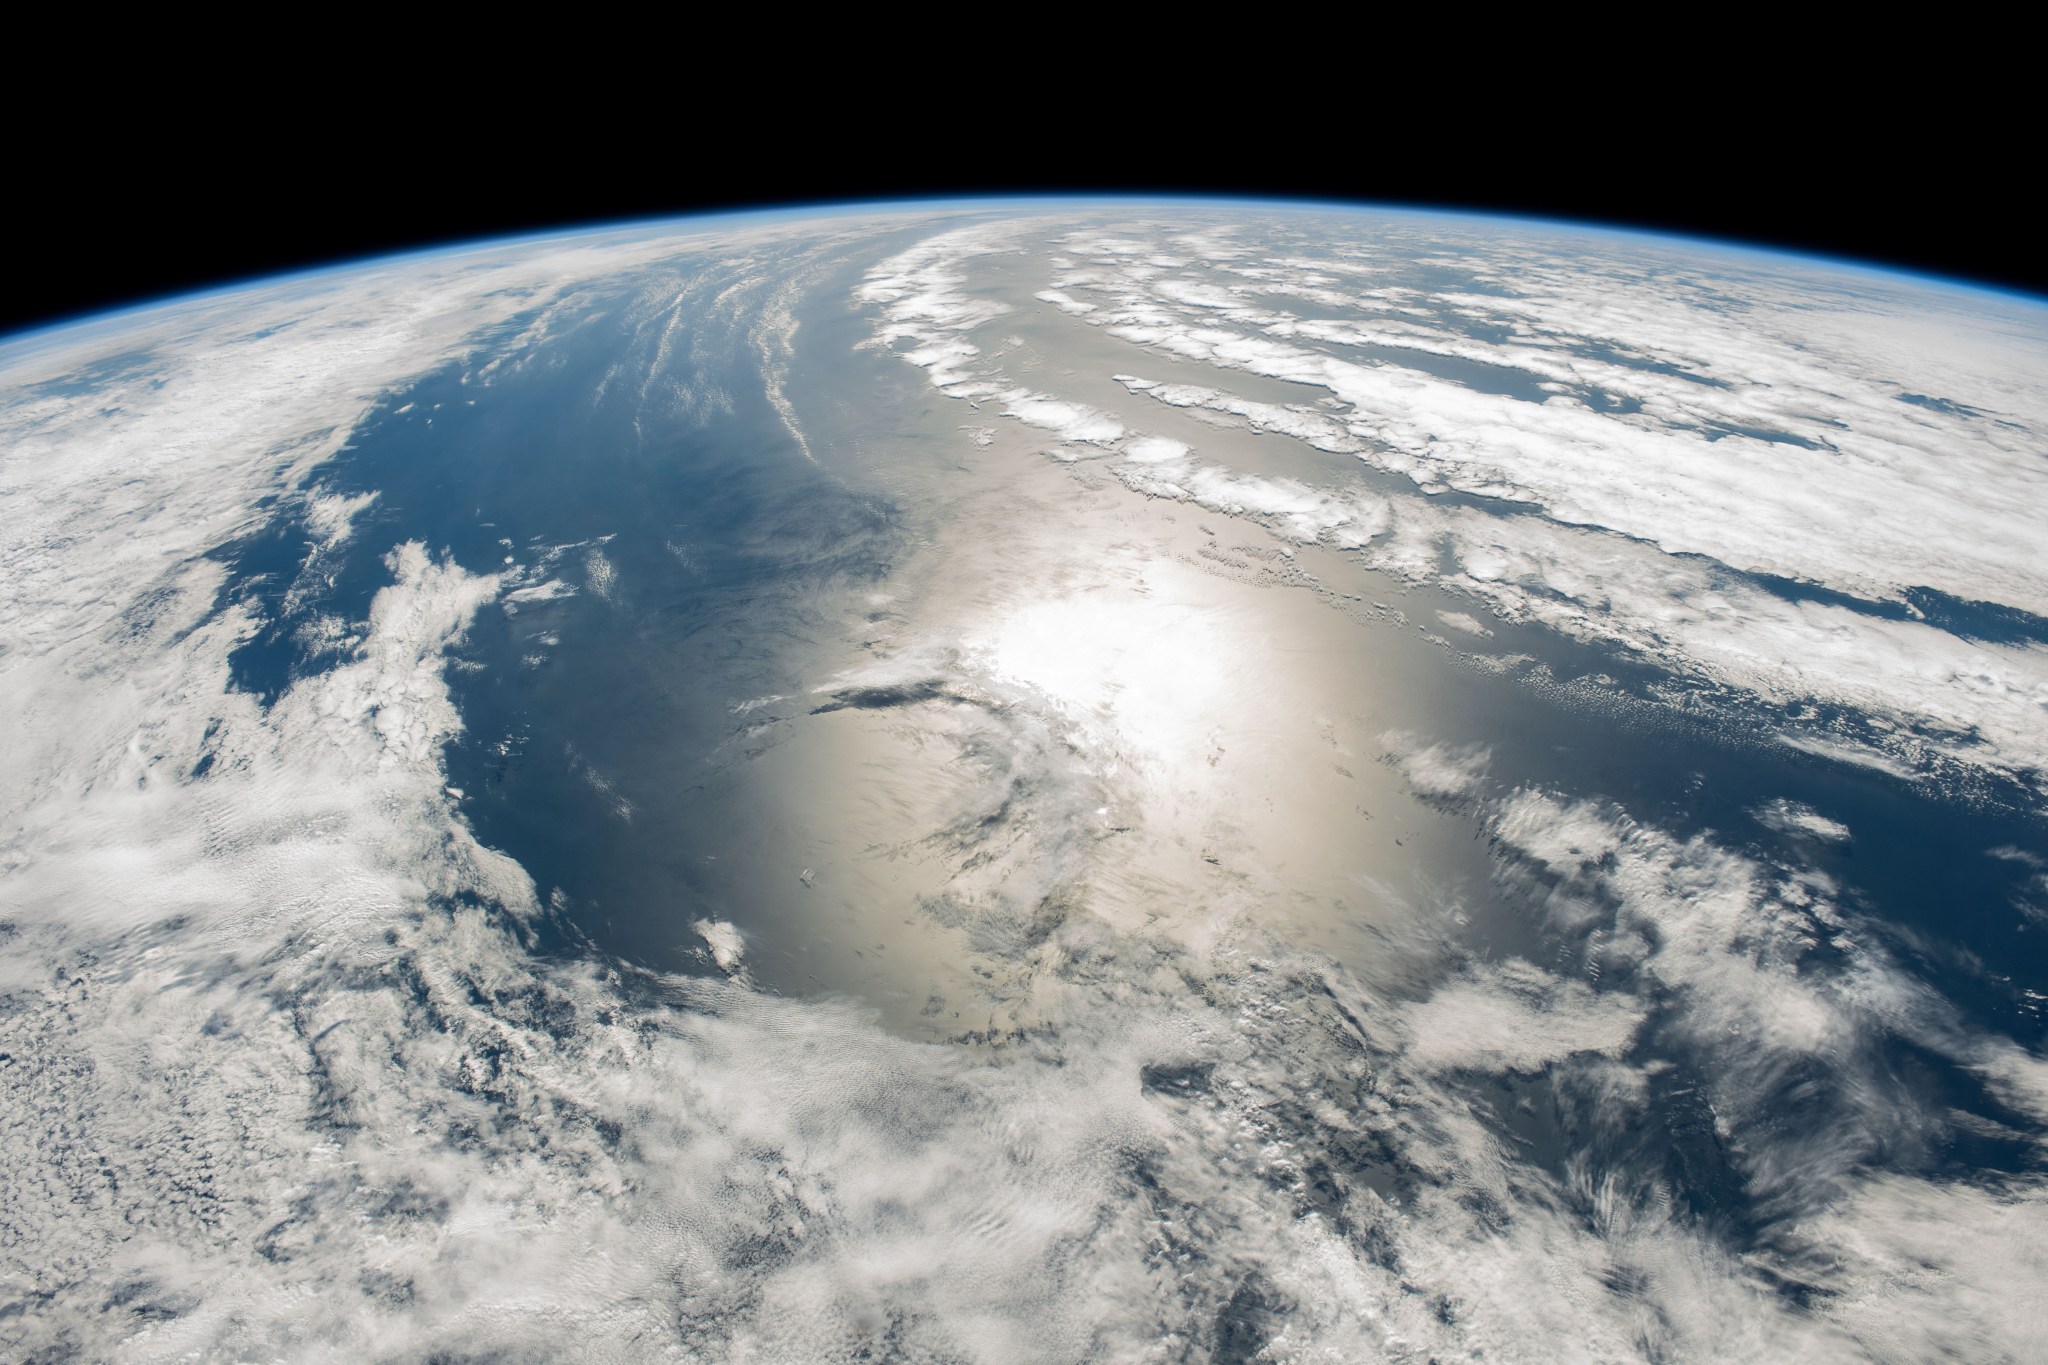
{"type": "Point", "coordinates": [569, 228]}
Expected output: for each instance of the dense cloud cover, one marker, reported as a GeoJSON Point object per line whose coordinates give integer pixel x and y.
{"type": "Point", "coordinates": [1129, 868]}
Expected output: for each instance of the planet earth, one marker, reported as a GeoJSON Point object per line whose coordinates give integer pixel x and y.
{"type": "Point", "coordinates": [1029, 781]}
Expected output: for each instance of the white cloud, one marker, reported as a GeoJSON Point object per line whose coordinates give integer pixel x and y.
{"type": "Point", "coordinates": [1465, 621]}
{"type": "Point", "coordinates": [1516, 1017]}
{"type": "Point", "coordinates": [1437, 770]}
{"type": "Point", "coordinates": [550, 590]}
{"type": "Point", "coordinates": [925, 300]}
{"type": "Point", "coordinates": [1794, 817]}
{"type": "Point", "coordinates": [1928, 1270]}
{"type": "Point", "coordinates": [723, 938]}
{"type": "Point", "coordinates": [1154, 450]}
{"type": "Point", "coordinates": [331, 516]}
{"type": "Point", "coordinates": [1068, 421]}
{"type": "Point", "coordinates": [1064, 301]}
{"type": "Point", "coordinates": [1759, 421]}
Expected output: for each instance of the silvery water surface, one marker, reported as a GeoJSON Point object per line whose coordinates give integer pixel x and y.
{"type": "Point", "coordinates": [1031, 781]}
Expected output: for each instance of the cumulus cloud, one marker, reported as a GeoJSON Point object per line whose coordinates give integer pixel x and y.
{"type": "Point", "coordinates": [1155, 450]}
{"type": "Point", "coordinates": [1661, 435]}
{"type": "Point", "coordinates": [1515, 1017]}
{"type": "Point", "coordinates": [1437, 770]}
{"type": "Point", "coordinates": [722, 938]}
{"type": "Point", "coordinates": [1464, 621]}
{"type": "Point", "coordinates": [1795, 817]}
{"type": "Point", "coordinates": [1068, 421]}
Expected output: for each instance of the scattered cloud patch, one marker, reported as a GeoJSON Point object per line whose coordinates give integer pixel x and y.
{"type": "Point", "coordinates": [723, 940]}
{"type": "Point", "coordinates": [1466, 622]}
{"type": "Point", "coordinates": [1154, 450]}
{"type": "Point", "coordinates": [1516, 1017]}
{"type": "Point", "coordinates": [1793, 817]}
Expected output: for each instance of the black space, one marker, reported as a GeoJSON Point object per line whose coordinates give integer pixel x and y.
{"type": "Point", "coordinates": [1876, 166]}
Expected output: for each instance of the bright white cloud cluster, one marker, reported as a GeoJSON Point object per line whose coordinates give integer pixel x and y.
{"type": "Point", "coordinates": [1875, 440]}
